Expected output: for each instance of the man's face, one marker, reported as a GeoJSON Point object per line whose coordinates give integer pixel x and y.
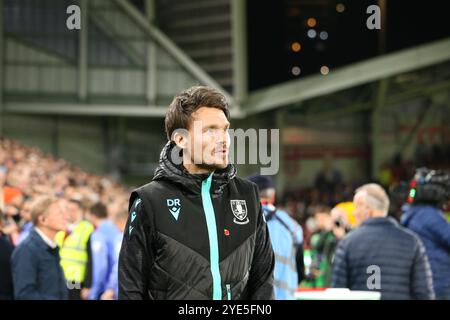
{"type": "Point", "coordinates": [74, 211]}
{"type": "Point", "coordinates": [361, 208]}
{"type": "Point", "coordinates": [323, 221]}
{"type": "Point", "coordinates": [56, 217]}
{"type": "Point", "coordinates": [209, 139]}
{"type": "Point", "coordinates": [25, 213]}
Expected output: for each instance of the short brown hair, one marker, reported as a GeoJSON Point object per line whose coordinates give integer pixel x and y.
{"type": "Point", "coordinates": [321, 209]}
{"type": "Point", "coordinates": [99, 210]}
{"type": "Point", "coordinates": [40, 207]}
{"type": "Point", "coordinates": [187, 102]}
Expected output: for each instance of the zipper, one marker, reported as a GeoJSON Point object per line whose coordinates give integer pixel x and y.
{"type": "Point", "coordinates": [213, 238]}
{"type": "Point", "coordinates": [228, 292]}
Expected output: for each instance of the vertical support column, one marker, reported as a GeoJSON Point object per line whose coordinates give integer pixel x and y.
{"type": "Point", "coordinates": [83, 53]}
{"type": "Point", "coordinates": [377, 127]}
{"type": "Point", "coordinates": [151, 56]}
{"type": "Point", "coordinates": [239, 36]}
{"type": "Point", "coordinates": [279, 124]}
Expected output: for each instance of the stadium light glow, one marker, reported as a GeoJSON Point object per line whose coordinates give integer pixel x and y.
{"type": "Point", "coordinates": [296, 46]}
{"type": "Point", "coordinates": [324, 70]}
{"type": "Point", "coordinates": [340, 7]}
{"type": "Point", "coordinates": [323, 35]}
{"type": "Point", "coordinates": [311, 22]}
{"type": "Point", "coordinates": [312, 33]}
{"type": "Point", "coordinates": [296, 71]}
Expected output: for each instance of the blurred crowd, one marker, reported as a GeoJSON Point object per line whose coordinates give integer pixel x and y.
{"type": "Point", "coordinates": [61, 230]}
{"type": "Point", "coordinates": [327, 213]}
{"type": "Point", "coordinates": [94, 210]}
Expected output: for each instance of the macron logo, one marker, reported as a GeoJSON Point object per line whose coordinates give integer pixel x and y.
{"type": "Point", "coordinates": [174, 207]}
{"type": "Point", "coordinates": [133, 216]}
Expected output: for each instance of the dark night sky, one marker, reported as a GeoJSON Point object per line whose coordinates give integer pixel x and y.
{"type": "Point", "coordinates": [274, 25]}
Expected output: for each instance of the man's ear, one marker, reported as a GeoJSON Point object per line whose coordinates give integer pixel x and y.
{"type": "Point", "coordinates": [368, 210]}
{"type": "Point", "coordinates": [180, 138]}
{"type": "Point", "coordinates": [42, 219]}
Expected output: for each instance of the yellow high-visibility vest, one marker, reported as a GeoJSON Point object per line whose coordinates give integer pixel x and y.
{"type": "Point", "coordinates": [73, 251]}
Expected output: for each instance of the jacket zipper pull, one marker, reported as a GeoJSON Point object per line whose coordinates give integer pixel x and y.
{"type": "Point", "coordinates": [228, 292]}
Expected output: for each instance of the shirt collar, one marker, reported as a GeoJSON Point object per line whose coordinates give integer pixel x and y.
{"type": "Point", "coordinates": [380, 220]}
{"type": "Point", "coordinates": [52, 244]}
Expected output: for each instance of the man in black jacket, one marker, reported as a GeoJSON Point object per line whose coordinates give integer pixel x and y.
{"type": "Point", "coordinates": [6, 249]}
{"type": "Point", "coordinates": [381, 255]}
{"type": "Point", "coordinates": [196, 231]}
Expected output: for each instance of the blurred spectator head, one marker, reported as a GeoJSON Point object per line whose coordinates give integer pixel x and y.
{"type": "Point", "coordinates": [12, 195]}
{"type": "Point", "coordinates": [322, 218]}
{"type": "Point", "coordinates": [25, 212]}
{"type": "Point", "coordinates": [75, 210]}
{"type": "Point", "coordinates": [47, 213]}
{"type": "Point", "coordinates": [343, 212]}
{"type": "Point", "coordinates": [266, 187]}
{"type": "Point", "coordinates": [370, 201]}
{"type": "Point", "coordinates": [97, 212]}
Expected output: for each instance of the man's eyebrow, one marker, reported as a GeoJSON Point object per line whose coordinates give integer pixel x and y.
{"type": "Point", "coordinates": [214, 126]}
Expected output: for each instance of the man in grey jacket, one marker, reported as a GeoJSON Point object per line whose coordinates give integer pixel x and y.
{"type": "Point", "coordinates": [380, 255]}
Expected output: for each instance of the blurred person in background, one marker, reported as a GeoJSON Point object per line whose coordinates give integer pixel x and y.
{"type": "Point", "coordinates": [112, 285]}
{"type": "Point", "coordinates": [430, 190]}
{"type": "Point", "coordinates": [3, 171]}
{"type": "Point", "coordinates": [287, 241]}
{"type": "Point", "coordinates": [102, 241]}
{"type": "Point", "coordinates": [35, 263]}
{"type": "Point", "coordinates": [10, 224]}
{"type": "Point", "coordinates": [74, 247]}
{"type": "Point", "coordinates": [6, 249]}
{"type": "Point", "coordinates": [26, 223]}
{"type": "Point", "coordinates": [398, 193]}
{"type": "Point", "coordinates": [328, 179]}
{"type": "Point", "coordinates": [12, 202]}
{"type": "Point", "coordinates": [380, 254]}
{"type": "Point", "coordinates": [343, 218]}
{"type": "Point", "coordinates": [323, 243]}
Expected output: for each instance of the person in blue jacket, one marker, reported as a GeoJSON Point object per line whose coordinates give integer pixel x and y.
{"type": "Point", "coordinates": [287, 240]}
{"type": "Point", "coordinates": [102, 246]}
{"type": "Point", "coordinates": [112, 284]}
{"type": "Point", "coordinates": [35, 263]}
{"type": "Point", "coordinates": [430, 189]}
